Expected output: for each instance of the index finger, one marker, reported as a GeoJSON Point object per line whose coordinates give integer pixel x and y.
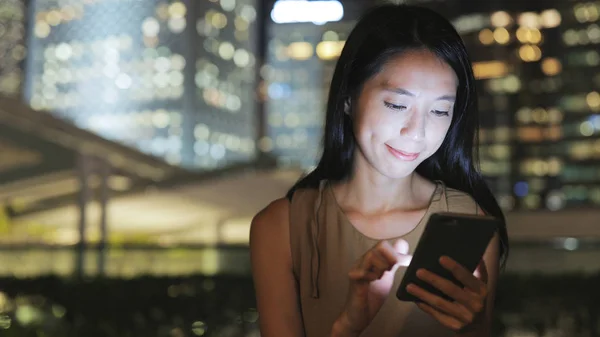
{"type": "Point", "coordinates": [388, 252]}
{"type": "Point", "coordinates": [463, 275]}
{"type": "Point", "coordinates": [481, 272]}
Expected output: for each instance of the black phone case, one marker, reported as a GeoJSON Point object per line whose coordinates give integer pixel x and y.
{"type": "Point", "coordinates": [463, 237]}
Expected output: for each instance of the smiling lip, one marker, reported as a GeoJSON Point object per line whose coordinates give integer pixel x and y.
{"type": "Point", "coordinates": [402, 155]}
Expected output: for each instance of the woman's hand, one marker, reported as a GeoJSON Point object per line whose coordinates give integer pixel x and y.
{"type": "Point", "coordinates": [469, 301]}
{"type": "Point", "coordinates": [371, 279]}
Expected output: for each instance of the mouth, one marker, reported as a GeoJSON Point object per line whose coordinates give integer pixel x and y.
{"type": "Point", "coordinates": [405, 156]}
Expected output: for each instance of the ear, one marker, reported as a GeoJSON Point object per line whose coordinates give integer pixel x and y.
{"type": "Point", "coordinates": [347, 106]}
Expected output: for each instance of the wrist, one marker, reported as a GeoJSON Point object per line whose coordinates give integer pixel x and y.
{"type": "Point", "coordinates": [343, 328]}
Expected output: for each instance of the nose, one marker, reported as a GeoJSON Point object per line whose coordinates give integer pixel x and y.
{"type": "Point", "coordinates": [414, 128]}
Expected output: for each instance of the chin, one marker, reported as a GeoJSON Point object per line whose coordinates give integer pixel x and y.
{"type": "Point", "coordinates": [397, 172]}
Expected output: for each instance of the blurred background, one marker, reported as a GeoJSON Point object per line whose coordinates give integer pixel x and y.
{"type": "Point", "coordinates": [139, 137]}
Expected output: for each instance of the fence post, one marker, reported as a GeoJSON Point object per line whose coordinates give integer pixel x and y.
{"type": "Point", "coordinates": [83, 169]}
{"type": "Point", "coordinates": [105, 171]}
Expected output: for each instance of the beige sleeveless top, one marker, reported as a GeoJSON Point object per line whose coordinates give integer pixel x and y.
{"type": "Point", "coordinates": [325, 245]}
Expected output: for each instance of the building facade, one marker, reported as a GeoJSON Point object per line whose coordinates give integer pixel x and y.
{"type": "Point", "coordinates": [12, 46]}
{"type": "Point", "coordinates": [301, 58]}
{"type": "Point", "coordinates": [538, 81]}
{"type": "Point", "coordinates": [170, 78]}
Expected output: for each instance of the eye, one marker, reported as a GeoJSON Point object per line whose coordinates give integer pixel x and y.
{"type": "Point", "coordinates": [394, 106]}
{"type": "Point", "coordinates": [440, 113]}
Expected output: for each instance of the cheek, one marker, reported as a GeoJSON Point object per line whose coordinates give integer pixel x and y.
{"type": "Point", "coordinates": [436, 137]}
{"type": "Point", "coordinates": [375, 128]}
{"type": "Point", "coordinates": [372, 123]}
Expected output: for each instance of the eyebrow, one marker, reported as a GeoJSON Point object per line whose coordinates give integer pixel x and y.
{"type": "Point", "coordinates": [450, 98]}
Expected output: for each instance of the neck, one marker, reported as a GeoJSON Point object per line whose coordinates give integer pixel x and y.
{"type": "Point", "coordinates": [370, 192]}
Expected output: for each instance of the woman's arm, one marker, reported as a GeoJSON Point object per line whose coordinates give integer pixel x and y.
{"type": "Point", "coordinates": [274, 282]}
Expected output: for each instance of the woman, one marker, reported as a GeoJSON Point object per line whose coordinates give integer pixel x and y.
{"type": "Point", "coordinates": [399, 145]}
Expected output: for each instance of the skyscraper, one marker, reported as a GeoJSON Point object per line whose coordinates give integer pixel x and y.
{"type": "Point", "coordinates": [225, 82]}
{"type": "Point", "coordinates": [12, 46]}
{"type": "Point", "coordinates": [537, 65]}
{"type": "Point", "coordinates": [301, 61]}
{"type": "Point", "coordinates": [170, 78]}
{"type": "Point", "coordinates": [579, 100]}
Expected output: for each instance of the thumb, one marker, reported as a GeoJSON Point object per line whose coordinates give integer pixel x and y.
{"type": "Point", "coordinates": [481, 271]}
{"type": "Point", "coordinates": [401, 246]}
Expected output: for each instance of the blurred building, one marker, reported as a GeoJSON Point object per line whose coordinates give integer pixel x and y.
{"type": "Point", "coordinates": [177, 80]}
{"type": "Point", "coordinates": [170, 78]}
{"type": "Point", "coordinates": [579, 101]}
{"type": "Point", "coordinates": [12, 46]}
{"type": "Point", "coordinates": [225, 81]}
{"type": "Point", "coordinates": [508, 43]}
{"type": "Point", "coordinates": [304, 42]}
{"type": "Point", "coordinates": [538, 68]}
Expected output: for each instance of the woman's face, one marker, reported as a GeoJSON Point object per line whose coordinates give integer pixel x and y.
{"type": "Point", "coordinates": [403, 113]}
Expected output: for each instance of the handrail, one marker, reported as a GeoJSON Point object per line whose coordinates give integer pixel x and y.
{"type": "Point", "coordinates": [17, 114]}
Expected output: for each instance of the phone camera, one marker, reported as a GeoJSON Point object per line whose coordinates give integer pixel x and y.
{"type": "Point", "coordinates": [451, 222]}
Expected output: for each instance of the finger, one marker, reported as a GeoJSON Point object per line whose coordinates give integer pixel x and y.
{"type": "Point", "coordinates": [481, 272]}
{"type": "Point", "coordinates": [464, 276]}
{"type": "Point", "coordinates": [455, 310]}
{"type": "Point", "coordinates": [404, 260]}
{"type": "Point", "coordinates": [443, 284]}
{"type": "Point", "coordinates": [395, 254]}
{"type": "Point", "coordinates": [401, 246]}
{"type": "Point", "coordinates": [471, 301]}
{"type": "Point", "coordinates": [362, 275]}
{"type": "Point", "coordinates": [374, 261]}
{"type": "Point", "coordinates": [444, 319]}
{"type": "Point", "coordinates": [387, 251]}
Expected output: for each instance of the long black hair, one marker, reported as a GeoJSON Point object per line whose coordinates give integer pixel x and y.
{"type": "Point", "coordinates": [382, 33]}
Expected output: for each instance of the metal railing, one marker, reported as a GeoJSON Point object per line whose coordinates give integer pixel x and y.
{"type": "Point", "coordinates": [556, 256]}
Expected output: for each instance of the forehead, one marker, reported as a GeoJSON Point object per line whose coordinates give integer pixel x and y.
{"type": "Point", "coordinates": [418, 70]}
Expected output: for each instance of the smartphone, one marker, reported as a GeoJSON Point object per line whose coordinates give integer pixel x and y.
{"type": "Point", "coordinates": [463, 237]}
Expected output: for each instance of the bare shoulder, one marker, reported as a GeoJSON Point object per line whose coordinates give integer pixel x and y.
{"type": "Point", "coordinates": [271, 224]}
{"type": "Point", "coordinates": [274, 215]}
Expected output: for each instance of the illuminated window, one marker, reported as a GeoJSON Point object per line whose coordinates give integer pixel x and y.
{"type": "Point", "coordinates": [300, 50]}
{"type": "Point", "coordinates": [329, 50]}
{"type": "Point", "coordinates": [530, 20]}
{"type": "Point", "coordinates": [550, 18]}
{"type": "Point", "coordinates": [551, 66]}
{"type": "Point", "coordinates": [593, 100]}
{"type": "Point", "coordinates": [586, 12]}
{"type": "Point", "coordinates": [318, 12]}
{"type": "Point", "coordinates": [490, 69]}
{"type": "Point", "coordinates": [574, 103]}
{"type": "Point", "coordinates": [530, 53]}
{"type": "Point", "coordinates": [501, 35]}
{"type": "Point", "coordinates": [471, 23]}
{"type": "Point", "coordinates": [593, 33]}
{"type": "Point", "coordinates": [486, 36]}
{"type": "Point", "coordinates": [530, 134]}
{"type": "Point", "coordinates": [585, 58]}
{"type": "Point", "coordinates": [570, 37]}
{"type": "Point", "coordinates": [500, 19]}
{"type": "Point", "coordinates": [524, 115]}
{"type": "Point", "coordinates": [529, 35]}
